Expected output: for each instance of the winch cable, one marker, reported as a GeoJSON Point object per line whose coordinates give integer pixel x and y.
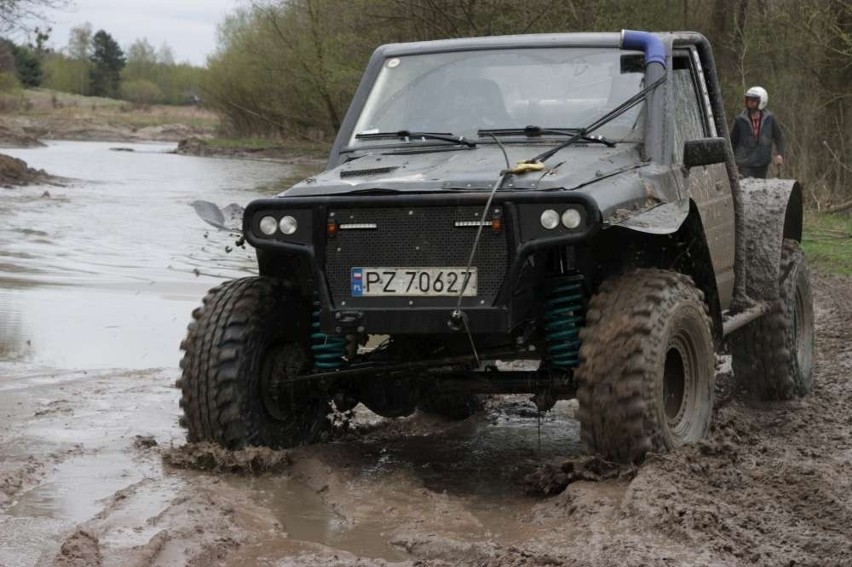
{"type": "Point", "coordinates": [458, 315]}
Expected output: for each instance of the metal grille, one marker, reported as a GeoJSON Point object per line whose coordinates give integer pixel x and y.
{"type": "Point", "coordinates": [415, 238]}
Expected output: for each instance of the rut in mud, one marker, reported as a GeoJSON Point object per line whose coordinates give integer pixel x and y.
{"type": "Point", "coordinates": [101, 477]}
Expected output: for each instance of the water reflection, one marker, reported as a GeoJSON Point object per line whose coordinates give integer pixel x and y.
{"type": "Point", "coordinates": [104, 272]}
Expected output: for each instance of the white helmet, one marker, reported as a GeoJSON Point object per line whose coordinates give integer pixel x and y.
{"type": "Point", "coordinates": [759, 93]}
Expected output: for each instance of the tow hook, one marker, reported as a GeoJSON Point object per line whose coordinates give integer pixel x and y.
{"type": "Point", "coordinates": [457, 320]}
{"type": "Point", "coordinates": [349, 321]}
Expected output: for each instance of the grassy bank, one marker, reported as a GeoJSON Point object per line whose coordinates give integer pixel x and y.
{"type": "Point", "coordinates": [48, 114]}
{"type": "Point", "coordinates": [45, 103]}
{"type": "Point", "coordinates": [827, 242]}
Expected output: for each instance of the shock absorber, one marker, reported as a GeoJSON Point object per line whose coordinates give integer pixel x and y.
{"type": "Point", "coordinates": [328, 350]}
{"type": "Point", "coordinates": [564, 315]}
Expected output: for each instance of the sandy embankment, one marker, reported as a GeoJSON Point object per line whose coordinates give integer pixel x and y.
{"type": "Point", "coordinates": [15, 171]}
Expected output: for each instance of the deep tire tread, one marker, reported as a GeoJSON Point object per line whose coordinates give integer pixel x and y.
{"type": "Point", "coordinates": [620, 346]}
{"type": "Point", "coordinates": [219, 392]}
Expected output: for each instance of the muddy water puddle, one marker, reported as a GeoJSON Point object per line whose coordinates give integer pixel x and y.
{"type": "Point", "coordinates": [304, 515]}
{"type": "Point", "coordinates": [79, 327]}
{"type": "Point", "coordinates": [78, 486]}
{"type": "Point", "coordinates": [364, 493]}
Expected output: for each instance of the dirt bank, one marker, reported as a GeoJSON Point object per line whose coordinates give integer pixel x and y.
{"type": "Point", "coordinates": [83, 481]}
{"type": "Point", "coordinates": [96, 128]}
{"type": "Point", "coordinates": [14, 172]}
{"type": "Point", "coordinates": [54, 115]}
{"type": "Point", "coordinates": [17, 138]}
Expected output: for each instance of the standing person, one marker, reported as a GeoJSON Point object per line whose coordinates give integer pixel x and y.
{"type": "Point", "coordinates": [753, 133]}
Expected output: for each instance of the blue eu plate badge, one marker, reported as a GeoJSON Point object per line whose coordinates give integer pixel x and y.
{"type": "Point", "coordinates": [357, 282]}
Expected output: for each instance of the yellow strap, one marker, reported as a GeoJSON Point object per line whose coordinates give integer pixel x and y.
{"type": "Point", "coordinates": [526, 167]}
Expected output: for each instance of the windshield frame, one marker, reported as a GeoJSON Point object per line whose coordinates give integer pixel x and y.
{"type": "Point", "coordinates": [457, 94]}
{"type": "Point", "coordinates": [341, 147]}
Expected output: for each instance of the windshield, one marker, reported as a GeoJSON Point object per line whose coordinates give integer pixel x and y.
{"type": "Point", "coordinates": [463, 92]}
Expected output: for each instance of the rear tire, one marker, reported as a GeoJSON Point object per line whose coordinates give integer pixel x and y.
{"type": "Point", "coordinates": [645, 379]}
{"type": "Point", "coordinates": [773, 356]}
{"type": "Point", "coordinates": [247, 343]}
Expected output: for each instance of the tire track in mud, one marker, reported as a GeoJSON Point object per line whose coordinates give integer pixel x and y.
{"type": "Point", "coordinates": [196, 523]}
{"type": "Point", "coordinates": [94, 493]}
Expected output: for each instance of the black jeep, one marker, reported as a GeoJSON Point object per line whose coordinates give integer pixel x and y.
{"type": "Point", "coordinates": [557, 215]}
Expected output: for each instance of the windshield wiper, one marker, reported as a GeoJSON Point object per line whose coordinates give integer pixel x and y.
{"type": "Point", "coordinates": [443, 136]}
{"type": "Point", "coordinates": [536, 131]}
{"type": "Point", "coordinates": [603, 120]}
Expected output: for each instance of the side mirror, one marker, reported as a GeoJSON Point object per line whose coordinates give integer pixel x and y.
{"type": "Point", "coordinates": [705, 151]}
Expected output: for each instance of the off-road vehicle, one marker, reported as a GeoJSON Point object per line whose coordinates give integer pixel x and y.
{"type": "Point", "coordinates": [557, 215]}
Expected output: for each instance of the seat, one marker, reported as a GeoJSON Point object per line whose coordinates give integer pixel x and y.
{"type": "Point", "coordinates": [480, 102]}
{"type": "Point", "coordinates": [461, 106]}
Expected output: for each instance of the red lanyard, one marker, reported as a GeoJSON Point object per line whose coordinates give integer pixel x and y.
{"type": "Point", "coordinates": [755, 124]}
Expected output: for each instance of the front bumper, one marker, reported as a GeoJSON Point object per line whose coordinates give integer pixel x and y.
{"type": "Point", "coordinates": [419, 230]}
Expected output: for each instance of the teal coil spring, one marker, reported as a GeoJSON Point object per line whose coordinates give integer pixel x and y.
{"type": "Point", "coordinates": [328, 350]}
{"type": "Point", "coordinates": [564, 315]}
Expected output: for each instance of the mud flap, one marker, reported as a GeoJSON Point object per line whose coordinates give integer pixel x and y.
{"type": "Point", "coordinates": [771, 207]}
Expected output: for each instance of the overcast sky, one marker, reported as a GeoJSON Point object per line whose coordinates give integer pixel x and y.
{"type": "Point", "coordinates": [188, 26]}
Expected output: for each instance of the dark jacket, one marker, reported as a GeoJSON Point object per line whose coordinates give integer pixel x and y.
{"type": "Point", "coordinates": [751, 152]}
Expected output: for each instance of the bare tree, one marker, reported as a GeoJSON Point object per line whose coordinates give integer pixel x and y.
{"type": "Point", "coordinates": [22, 14]}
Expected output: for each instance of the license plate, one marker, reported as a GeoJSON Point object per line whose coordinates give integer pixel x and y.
{"type": "Point", "coordinates": [412, 282]}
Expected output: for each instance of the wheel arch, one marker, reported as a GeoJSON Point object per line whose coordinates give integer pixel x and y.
{"type": "Point", "coordinates": [683, 250]}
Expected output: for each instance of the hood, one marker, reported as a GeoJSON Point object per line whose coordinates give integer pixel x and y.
{"type": "Point", "coordinates": [419, 170]}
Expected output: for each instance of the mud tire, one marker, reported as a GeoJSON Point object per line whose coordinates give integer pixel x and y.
{"type": "Point", "coordinates": [246, 341]}
{"type": "Point", "coordinates": [646, 373]}
{"type": "Point", "coordinates": [773, 357]}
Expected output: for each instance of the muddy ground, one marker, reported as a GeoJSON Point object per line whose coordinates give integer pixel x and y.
{"type": "Point", "coordinates": [93, 471]}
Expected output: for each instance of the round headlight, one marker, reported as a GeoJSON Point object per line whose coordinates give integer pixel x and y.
{"type": "Point", "coordinates": [268, 225]}
{"type": "Point", "coordinates": [571, 218]}
{"type": "Point", "coordinates": [549, 219]}
{"type": "Point", "coordinates": [288, 225]}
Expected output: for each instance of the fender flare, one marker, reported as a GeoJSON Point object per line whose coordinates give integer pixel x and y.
{"type": "Point", "coordinates": [772, 210]}
{"type": "Point", "coordinates": [666, 218]}
{"type": "Point", "coordinates": [680, 222]}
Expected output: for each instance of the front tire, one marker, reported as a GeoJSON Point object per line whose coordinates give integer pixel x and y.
{"type": "Point", "coordinates": [646, 373]}
{"type": "Point", "coordinates": [244, 353]}
{"type": "Point", "coordinates": [773, 356]}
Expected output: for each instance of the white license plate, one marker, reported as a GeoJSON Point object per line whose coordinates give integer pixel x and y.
{"type": "Point", "coordinates": [412, 282]}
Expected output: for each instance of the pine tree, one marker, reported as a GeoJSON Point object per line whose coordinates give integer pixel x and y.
{"type": "Point", "coordinates": [107, 62]}
{"type": "Point", "coordinates": [29, 66]}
